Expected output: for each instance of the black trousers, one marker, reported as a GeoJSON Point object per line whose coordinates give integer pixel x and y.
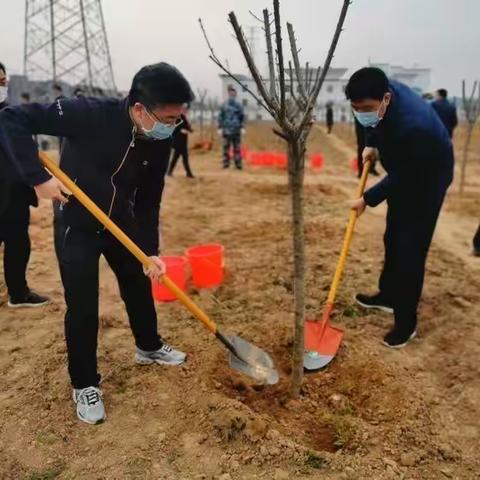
{"type": "Point", "coordinates": [407, 239]}
{"type": "Point", "coordinates": [14, 236]}
{"type": "Point", "coordinates": [78, 254]}
{"type": "Point", "coordinates": [177, 153]}
{"type": "Point", "coordinates": [233, 140]}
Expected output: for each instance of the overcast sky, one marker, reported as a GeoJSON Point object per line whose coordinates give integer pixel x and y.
{"type": "Point", "coordinates": [441, 34]}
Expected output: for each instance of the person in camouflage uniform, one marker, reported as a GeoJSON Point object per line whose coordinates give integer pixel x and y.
{"type": "Point", "coordinates": [231, 127]}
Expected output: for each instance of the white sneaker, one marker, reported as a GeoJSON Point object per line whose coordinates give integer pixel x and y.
{"type": "Point", "coordinates": [90, 407]}
{"type": "Point", "coordinates": [165, 355]}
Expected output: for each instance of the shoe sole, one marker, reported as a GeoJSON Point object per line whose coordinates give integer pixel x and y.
{"type": "Point", "coordinates": [374, 307]}
{"type": "Point", "coordinates": [27, 305]}
{"type": "Point", "coordinates": [401, 345]}
{"type": "Point", "coordinates": [149, 361]}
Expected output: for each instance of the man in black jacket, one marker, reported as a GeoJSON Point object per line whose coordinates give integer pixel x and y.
{"type": "Point", "coordinates": [117, 152]}
{"type": "Point", "coordinates": [445, 110]}
{"type": "Point", "coordinates": [416, 151]}
{"type": "Point", "coordinates": [15, 200]}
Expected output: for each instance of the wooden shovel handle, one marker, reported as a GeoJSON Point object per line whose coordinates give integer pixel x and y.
{"type": "Point", "coordinates": [124, 239]}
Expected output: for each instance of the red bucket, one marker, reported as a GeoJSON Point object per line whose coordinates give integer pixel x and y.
{"type": "Point", "coordinates": [176, 272]}
{"type": "Point", "coordinates": [207, 262]}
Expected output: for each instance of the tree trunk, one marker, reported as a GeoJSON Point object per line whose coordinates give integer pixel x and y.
{"type": "Point", "coordinates": [465, 157]}
{"type": "Point", "coordinates": [296, 152]}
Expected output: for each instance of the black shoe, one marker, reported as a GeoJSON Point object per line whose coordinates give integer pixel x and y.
{"type": "Point", "coordinates": [239, 167]}
{"type": "Point", "coordinates": [374, 301]}
{"type": "Point", "coordinates": [396, 339]}
{"type": "Point", "coordinates": [190, 176]}
{"type": "Point", "coordinates": [30, 300]}
{"type": "Point", "coordinates": [476, 252]}
{"type": "Point", "coordinates": [226, 166]}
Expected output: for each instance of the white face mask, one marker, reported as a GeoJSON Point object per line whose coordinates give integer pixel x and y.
{"type": "Point", "coordinates": [3, 94]}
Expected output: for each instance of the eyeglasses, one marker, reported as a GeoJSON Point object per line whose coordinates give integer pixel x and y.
{"type": "Point", "coordinates": [175, 123]}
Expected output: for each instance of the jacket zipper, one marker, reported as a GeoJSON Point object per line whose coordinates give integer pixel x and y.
{"type": "Point", "coordinates": [130, 145]}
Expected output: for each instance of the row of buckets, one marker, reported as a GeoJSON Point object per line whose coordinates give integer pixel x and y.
{"type": "Point", "coordinates": [206, 264]}
{"type": "Point", "coordinates": [278, 160]}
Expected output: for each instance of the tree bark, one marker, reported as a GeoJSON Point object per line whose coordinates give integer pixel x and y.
{"type": "Point", "coordinates": [296, 152]}
{"type": "Point", "coordinates": [465, 157]}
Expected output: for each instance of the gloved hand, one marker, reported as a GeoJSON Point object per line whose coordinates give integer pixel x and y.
{"type": "Point", "coordinates": [220, 132]}
{"type": "Point", "coordinates": [243, 132]}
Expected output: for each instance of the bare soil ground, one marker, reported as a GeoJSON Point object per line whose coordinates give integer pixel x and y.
{"type": "Point", "coordinates": [372, 414]}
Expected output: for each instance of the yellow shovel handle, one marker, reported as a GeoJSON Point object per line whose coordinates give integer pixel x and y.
{"type": "Point", "coordinates": [347, 239]}
{"type": "Point", "coordinates": [124, 239]}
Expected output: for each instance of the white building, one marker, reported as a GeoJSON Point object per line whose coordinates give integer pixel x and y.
{"type": "Point", "coordinates": [333, 91]}
{"type": "Point", "coordinates": [416, 78]}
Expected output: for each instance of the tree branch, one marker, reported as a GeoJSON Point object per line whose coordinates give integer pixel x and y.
{"type": "Point", "coordinates": [271, 60]}
{"type": "Point", "coordinates": [217, 62]}
{"type": "Point", "coordinates": [250, 62]}
{"type": "Point", "coordinates": [296, 63]}
{"type": "Point", "coordinates": [279, 49]}
{"type": "Point", "coordinates": [326, 65]}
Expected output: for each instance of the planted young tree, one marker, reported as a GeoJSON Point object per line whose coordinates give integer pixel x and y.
{"type": "Point", "coordinates": [290, 102]}
{"type": "Point", "coordinates": [471, 107]}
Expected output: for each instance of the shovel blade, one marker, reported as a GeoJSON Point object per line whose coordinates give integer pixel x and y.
{"type": "Point", "coordinates": [252, 361]}
{"type": "Point", "coordinates": [320, 349]}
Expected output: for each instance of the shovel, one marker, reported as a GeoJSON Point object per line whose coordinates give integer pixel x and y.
{"type": "Point", "coordinates": [322, 340]}
{"type": "Point", "coordinates": [243, 356]}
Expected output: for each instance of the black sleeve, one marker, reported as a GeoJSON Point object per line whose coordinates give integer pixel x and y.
{"type": "Point", "coordinates": [147, 203]}
{"type": "Point", "coordinates": [412, 166]}
{"type": "Point", "coordinates": [63, 118]}
{"type": "Point", "coordinates": [186, 124]}
{"type": "Point", "coordinates": [454, 117]}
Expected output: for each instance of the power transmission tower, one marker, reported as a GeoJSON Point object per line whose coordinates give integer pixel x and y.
{"type": "Point", "coordinates": [66, 41]}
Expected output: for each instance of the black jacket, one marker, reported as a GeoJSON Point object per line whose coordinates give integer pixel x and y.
{"type": "Point", "coordinates": [120, 171]}
{"type": "Point", "coordinates": [447, 113]}
{"type": "Point", "coordinates": [414, 147]}
{"type": "Point", "coordinates": [15, 195]}
{"type": "Point", "coordinates": [180, 140]}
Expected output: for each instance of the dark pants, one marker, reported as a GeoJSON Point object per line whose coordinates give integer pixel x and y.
{"type": "Point", "coordinates": [14, 236]}
{"type": "Point", "coordinates": [476, 240]}
{"type": "Point", "coordinates": [410, 227]}
{"type": "Point", "coordinates": [78, 254]}
{"type": "Point", "coordinates": [177, 153]}
{"type": "Point", "coordinates": [329, 127]}
{"type": "Point", "coordinates": [233, 140]}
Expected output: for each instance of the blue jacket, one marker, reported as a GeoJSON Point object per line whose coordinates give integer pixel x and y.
{"type": "Point", "coordinates": [415, 149]}
{"type": "Point", "coordinates": [447, 113]}
{"type": "Point", "coordinates": [231, 117]}
{"type": "Point", "coordinates": [123, 173]}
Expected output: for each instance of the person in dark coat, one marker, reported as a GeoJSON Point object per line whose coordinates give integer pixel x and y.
{"type": "Point", "coordinates": [231, 123]}
{"type": "Point", "coordinates": [416, 151]}
{"type": "Point", "coordinates": [180, 147]}
{"type": "Point", "coordinates": [117, 151]}
{"type": "Point", "coordinates": [329, 118]}
{"type": "Point", "coordinates": [476, 243]}
{"type": "Point", "coordinates": [445, 110]}
{"type": "Point", "coordinates": [15, 200]}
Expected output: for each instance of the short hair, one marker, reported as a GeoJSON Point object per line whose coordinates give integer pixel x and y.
{"type": "Point", "coordinates": [442, 92]}
{"type": "Point", "coordinates": [159, 84]}
{"type": "Point", "coordinates": [368, 82]}
{"type": "Point", "coordinates": [78, 91]}
{"type": "Point", "coordinates": [58, 87]}
{"type": "Point", "coordinates": [25, 96]}
{"type": "Point", "coordinates": [231, 88]}
{"type": "Point", "coordinates": [2, 67]}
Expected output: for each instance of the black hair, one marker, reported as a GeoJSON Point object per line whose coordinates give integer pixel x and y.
{"type": "Point", "coordinates": [442, 92]}
{"type": "Point", "coordinates": [2, 67]}
{"type": "Point", "coordinates": [159, 84]}
{"type": "Point", "coordinates": [368, 82]}
{"type": "Point", "coordinates": [231, 88]}
{"type": "Point", "coordinates": [58, 87]}
{"type": "Point", "coordinates": [26, 96]}
{"type": "Point", "coordinates": [78, 91]}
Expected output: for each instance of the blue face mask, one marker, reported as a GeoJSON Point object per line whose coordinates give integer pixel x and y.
{"type": "Point", "coordinates": [368, 119]}
{"type": "Point", "coordinates": [159, 131]}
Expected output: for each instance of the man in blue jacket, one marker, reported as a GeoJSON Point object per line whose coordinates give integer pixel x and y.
{"type": "Point", "coordinates": [231, 121]}
{"type": "Point", "coordinates": [415, 150]}
{"type": "Point", "coordinates": [117, 151]}
{"type": "Point", "coordinates": [445, 110]}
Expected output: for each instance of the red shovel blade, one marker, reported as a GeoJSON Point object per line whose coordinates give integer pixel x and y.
{"type": "Point", "coordinates": [327, 343]}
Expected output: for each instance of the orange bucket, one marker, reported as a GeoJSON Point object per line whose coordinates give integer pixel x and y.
{"type": "Point", "coordinates": [176, 272]}
{"type": "Point", "coordinates": [207, 262]}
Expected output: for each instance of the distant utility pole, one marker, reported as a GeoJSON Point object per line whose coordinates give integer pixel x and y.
{"type": "Point", "coordinates": [66, 41]}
